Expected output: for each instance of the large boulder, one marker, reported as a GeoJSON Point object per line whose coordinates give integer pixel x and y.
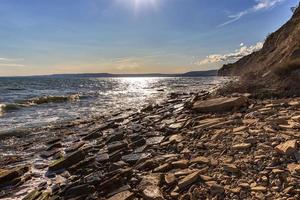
{"type": "Point", "coordinates": [221, 104]}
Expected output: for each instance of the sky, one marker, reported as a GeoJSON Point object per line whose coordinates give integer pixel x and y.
{"type": "Point", "coordinates": [132, 36]}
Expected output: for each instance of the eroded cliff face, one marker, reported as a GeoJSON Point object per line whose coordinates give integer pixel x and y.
{"type": "Point", "coordinates": [280, 47]}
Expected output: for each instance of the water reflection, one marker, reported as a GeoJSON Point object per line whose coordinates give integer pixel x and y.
{"type": "Point", "coordinates": [98, 96]}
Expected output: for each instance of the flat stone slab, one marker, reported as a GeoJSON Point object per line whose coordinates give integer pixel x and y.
{"type": "Point", "coordinates": [222, 104]}
{"type": "Point", "coordinates": [288, 147]}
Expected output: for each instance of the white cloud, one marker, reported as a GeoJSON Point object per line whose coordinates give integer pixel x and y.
{"type": "Point", "coordinates": [126, 63]}
{"type": "Point", "coordinates": [259, 5]}
{"type": "Point", "coordinates": [9, 62]}
{"type": "Point", "coordinates": [230, 57]}
{"type": "Point", "coordinates": [11, 65]}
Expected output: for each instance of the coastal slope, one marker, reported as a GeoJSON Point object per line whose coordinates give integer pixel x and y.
{"type": "Point", "coordinates": [280, 47]}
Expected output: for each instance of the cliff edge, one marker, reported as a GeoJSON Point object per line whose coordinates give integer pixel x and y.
{"type": "Point", "coordinates": [275, 69]}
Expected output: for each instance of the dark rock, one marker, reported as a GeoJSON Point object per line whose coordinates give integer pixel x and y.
{"type": "Point", "coordinates": [80, 190]}
{"type": "Point", "coordinates": [32, 195]}
{"type": "Point", "coordinates": [114, 146]}
{"type": "Point", "coordinates": [67, 161]}
{"type": "Point", "coordinates": [134, 157]}
{"type": "Point", "coordinates": [7, 176]}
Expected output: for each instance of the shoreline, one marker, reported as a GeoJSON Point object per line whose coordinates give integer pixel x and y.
{"type": "Point", "coordinates": [184, 148]}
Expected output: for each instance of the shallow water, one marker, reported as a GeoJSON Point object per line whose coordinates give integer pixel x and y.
{"type": "Point", "coordinates": [36, 101]}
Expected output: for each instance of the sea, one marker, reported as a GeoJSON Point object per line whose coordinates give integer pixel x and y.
{"type": "Point", "coordinates": [28, 102]}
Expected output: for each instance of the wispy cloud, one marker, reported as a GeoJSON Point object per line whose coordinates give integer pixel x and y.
{"type": "Point", "coordinates": [11, 62]}
{"type": "Point", "coordinates": [259, 5]}
{"type": "Point", "coordinates": [127, 63]}
{"type": "Point", "coordinates": [230, 57]}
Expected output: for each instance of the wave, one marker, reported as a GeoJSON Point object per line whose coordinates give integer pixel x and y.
{"type": "Point", "coordinates": [6, 107]}
{"type": "Point", "coordinates": [51, 99]}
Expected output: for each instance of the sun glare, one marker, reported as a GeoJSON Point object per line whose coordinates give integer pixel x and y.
{"type": "Point", "coordinates": [138, 5]}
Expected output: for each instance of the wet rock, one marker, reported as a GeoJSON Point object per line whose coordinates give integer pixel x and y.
{"type": "Point", "coordinates": [74, 147]}
{"type": "Point", "coordinates": [67, 161]}
{"type": "Point", "coordinates": [47, 154]}
{"type": "Point", "coordinates": [32, 195]}
{"type": "Point", "coordinates": [288, 147]}
{"type": "Point", "coordinates": [79, 190]}
{"type": "Point", "coordinates": [188, 180]}
{"type": "Point", "coordinates": [8, 176]}
{"type": "Point", "coordinates": [220, 104]}
{"type": "Point", "coordinates": [44, 196]}
{"type": "Point", "coordinates": [54, 146]}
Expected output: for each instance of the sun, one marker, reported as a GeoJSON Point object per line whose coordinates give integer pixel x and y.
{"type": "Point", "coordinates": [139, 5]}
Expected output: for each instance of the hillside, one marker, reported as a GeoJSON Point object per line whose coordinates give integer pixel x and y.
{"type": "Point", "coordinates": [276, 67]}
{"type": "Point", "coordinates": [280, 47]}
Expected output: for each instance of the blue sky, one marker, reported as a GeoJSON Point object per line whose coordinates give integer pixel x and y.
{"type": "Point", "coordinates": [132, 36]}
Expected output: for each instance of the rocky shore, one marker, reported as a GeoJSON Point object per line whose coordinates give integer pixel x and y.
{"type": "Point", "coordinates": [190, 147]}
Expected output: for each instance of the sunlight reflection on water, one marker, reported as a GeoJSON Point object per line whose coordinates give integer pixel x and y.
{"type": "Point", "coordinates": [97, 96]}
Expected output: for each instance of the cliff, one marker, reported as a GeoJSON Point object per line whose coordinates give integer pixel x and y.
{"type": "Point", "coordinates": [280, 47]}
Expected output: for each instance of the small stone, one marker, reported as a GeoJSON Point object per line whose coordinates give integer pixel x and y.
{"type": "Point", "coordinates": [114, 146]}
{"type": "Point", "coordinates": [67, 161]}
{"type": "Point", "coordinates": [152, 193]}
{"type": "Point", "coordinates": [238, 129]}
{"type": "Point", "coordinates": [242, 146]}
{"type": "Point", "coordinates": [294, 168]}
{"type": "Point", "coordinates": [215, 188]}
{"type": "Point", "coordinates": [126, 195]}
{"type": "Point", "coordinates": [259, 189]}
{"type": "Point", "coordinates": [277, 171]}
{"type": "Point", "coordinates": [296, 118]}
{"type": "Point", "coordinates": [244, 185]}
{"type": "Point", "coordinates": [163, 168]}
{"type": "Point", "coordinates": [33, 195]}
{"type": "Point", "coordinates": [200, 160]}
{"type": "Point", "coordinates": [176, 138]}
{"type": "Point", "coordinates": [79, 190]}
{"type": "Point", "coordinates": [155, 140]}
{"type": "Point", "coordinates": [6, 176]}
{"type": "Point", "coordinates": [188, 180]}
{"type": "Point", "coordinates": [206, 178]}
{"type": "Point", "coordinates": [170, 179]}
{"type": "Point", "coordinates": [182, 164]}
{"type": "Point", "coordinates": [288, 147]}
{"type": "Point", "coordinates": [230, 168]}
